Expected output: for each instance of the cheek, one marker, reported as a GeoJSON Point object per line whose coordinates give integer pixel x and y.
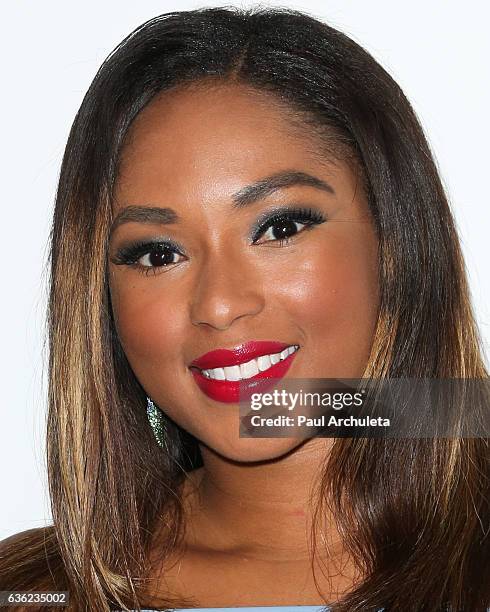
{"type": "Point", "coordinates": [345, 288]}
{"type": "Point", "coordinates": [332, 295]}
{"type": "Point", "coordinates": [148, 323]}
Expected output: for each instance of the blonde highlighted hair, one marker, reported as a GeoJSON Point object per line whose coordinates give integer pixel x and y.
{"type": "Point", "coordinates": [413, 513]}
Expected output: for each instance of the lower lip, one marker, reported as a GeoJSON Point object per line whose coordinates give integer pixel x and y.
{"type": "Point", "coordinates": [233, 391]}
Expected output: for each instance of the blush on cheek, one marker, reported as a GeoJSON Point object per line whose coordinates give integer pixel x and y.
{"type": "Point", "coordinates": [321, 288]}
{"type": "Point", "coordinates": [150, 331]}
{"type": "Point", "coordinates": [332, 298]}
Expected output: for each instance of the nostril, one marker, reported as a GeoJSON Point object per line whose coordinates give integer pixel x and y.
{"type": "Point", "coordinates": [223, 299]}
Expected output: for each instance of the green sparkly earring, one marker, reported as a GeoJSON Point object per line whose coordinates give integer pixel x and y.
{"type": "Point", "coordinates": [155, 417]}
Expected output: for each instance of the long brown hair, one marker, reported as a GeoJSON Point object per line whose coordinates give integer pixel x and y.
{"type": "Point", "coordinates": [414, 513]}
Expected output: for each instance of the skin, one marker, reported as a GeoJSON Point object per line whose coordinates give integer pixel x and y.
{"type": "Point", "coordinates": [192, 149]}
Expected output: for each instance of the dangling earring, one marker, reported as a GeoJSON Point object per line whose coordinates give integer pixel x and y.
{"type": "Point", "coordinates": [155, 417]}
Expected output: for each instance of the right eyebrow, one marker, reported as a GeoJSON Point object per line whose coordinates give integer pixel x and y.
{"type": "Point", "coordinates": [144, 214]}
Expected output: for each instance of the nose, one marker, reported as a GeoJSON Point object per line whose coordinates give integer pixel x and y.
{"type": "Point", "coordinates": [226, 290]}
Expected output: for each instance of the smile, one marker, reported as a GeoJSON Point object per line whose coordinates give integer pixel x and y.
{"type": "Point", "coordinates": [250, 368]}
{"type": "Point", "coordinates": [232, 375]}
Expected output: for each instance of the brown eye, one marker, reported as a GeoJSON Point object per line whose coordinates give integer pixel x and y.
{"type": "Point", "coordinates": [149, 257]}
{"type": "Point", "coordinates": [282, 229]}
{"type": "Point", "coordinates": [282, 225]}
{"type": "Point", "coordinates": [160, 256]}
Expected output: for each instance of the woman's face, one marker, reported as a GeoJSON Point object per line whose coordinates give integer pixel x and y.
{"type": "Point", "coordinates": [225, 278]}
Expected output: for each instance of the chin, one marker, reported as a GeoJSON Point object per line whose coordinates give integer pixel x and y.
{"type": "Point", "coordinates": [250, 450]}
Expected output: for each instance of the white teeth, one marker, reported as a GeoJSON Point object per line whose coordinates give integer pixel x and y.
{"type": "Point", "coordinates": [232, 372]}
{"type": "Point", "coordinates": [217, 373]}
{"type": "Point", "coordinates": [264, 362]}
{"type": "Point", "coordinates": [250, 368]}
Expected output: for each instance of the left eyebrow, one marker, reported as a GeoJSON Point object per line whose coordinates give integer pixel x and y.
{"type": "Point", "coordinates": [270, 184]}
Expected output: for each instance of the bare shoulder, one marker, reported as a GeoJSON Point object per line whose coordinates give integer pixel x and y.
{"type": "Point", "coordinates": [31, 560]}
{"type": "Point", "coordinates": [35, 540]}
{"type": "Point", "coordinates": [16, 539]}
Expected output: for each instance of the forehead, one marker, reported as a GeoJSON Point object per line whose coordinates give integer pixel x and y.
{"type": "Point", "coordinates": [216, 110]}
{"type": "Point", "coordinates": [214, 138]}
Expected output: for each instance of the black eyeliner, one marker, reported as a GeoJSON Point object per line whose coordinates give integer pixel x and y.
{"type": "Point", "coordinates": [303, 214]}
{"type": "Point", "coordinates": [129, 254]}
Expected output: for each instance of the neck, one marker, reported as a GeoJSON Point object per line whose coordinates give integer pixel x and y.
{"type": "Point", "coordinates": [264, 509]}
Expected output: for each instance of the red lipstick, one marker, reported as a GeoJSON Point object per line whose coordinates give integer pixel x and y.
{"type": "Point", "coordinates": [232, 391]}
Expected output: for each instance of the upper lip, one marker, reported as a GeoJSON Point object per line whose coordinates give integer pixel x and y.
{"type": "Point", "coordinates": [220, 358]}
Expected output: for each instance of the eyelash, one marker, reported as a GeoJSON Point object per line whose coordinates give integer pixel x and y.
{"type": "Point", "coordinates": [130, 254]}
{"type": "Point", "coordinates": [305, 216]}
